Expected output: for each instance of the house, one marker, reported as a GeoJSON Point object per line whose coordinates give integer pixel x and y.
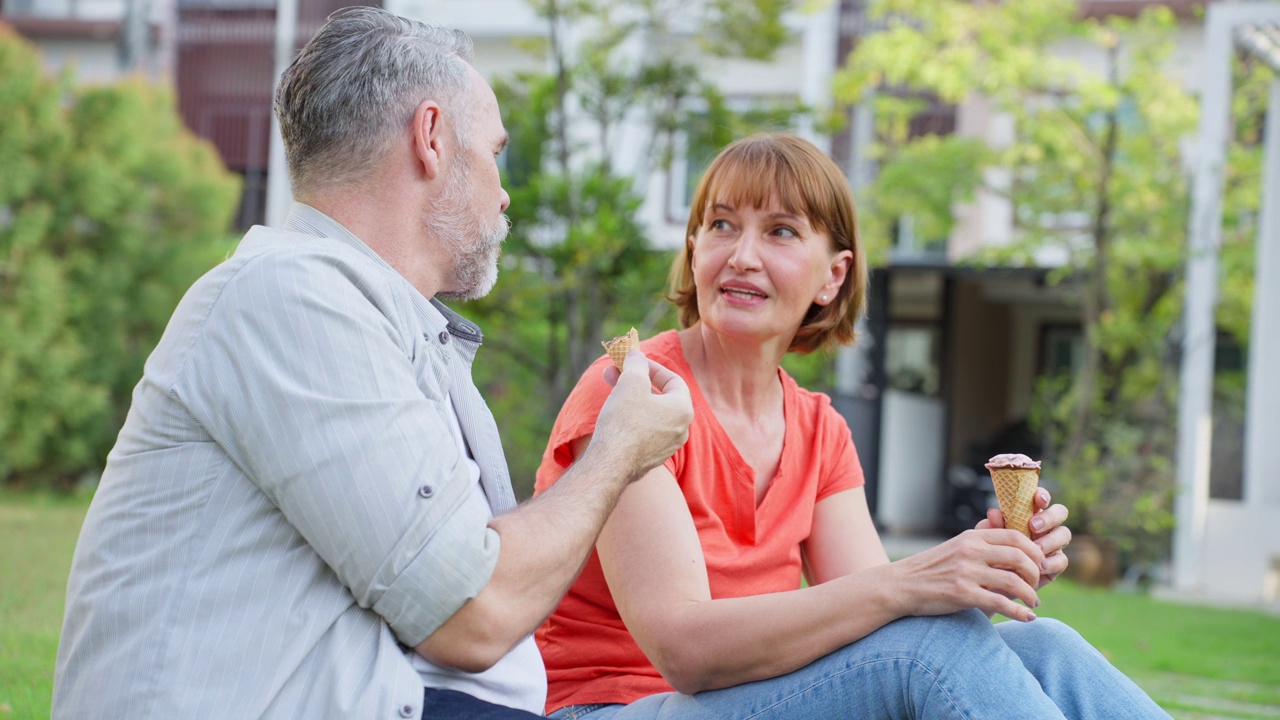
{"type": "Point", "coordinates": [98, 40]}
{"type": "Point", "coordinates": [946, 376]}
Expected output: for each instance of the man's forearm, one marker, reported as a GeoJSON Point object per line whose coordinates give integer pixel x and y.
{"type": "Point", "coordinates": [545, 544]}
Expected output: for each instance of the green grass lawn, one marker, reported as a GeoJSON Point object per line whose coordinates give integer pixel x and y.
{"type": "Point", "coordinates": [1197, 662]}
{"type": "Point", "coordinates": [37, 537]}
{"type": "Point", "coordinates": [1193, 660]}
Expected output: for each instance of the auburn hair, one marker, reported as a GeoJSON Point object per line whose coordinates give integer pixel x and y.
{"type": "Point", "coordinates": [756, 171]}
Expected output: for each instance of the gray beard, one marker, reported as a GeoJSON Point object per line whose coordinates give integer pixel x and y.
{"type": "Point", "coordinates": [474, 249]}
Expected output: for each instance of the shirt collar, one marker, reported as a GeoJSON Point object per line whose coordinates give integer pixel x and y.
{"type": "Point", "coordinates": [305, 219]}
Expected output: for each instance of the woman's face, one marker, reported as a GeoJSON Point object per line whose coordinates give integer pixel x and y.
{"type": "Point", "coordinates": [757, 270]}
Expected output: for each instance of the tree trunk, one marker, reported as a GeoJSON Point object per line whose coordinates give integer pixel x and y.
{"type": "Point", "coordinates": [1097, 300]}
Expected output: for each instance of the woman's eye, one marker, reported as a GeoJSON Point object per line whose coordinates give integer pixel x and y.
{"type": "Point", "coordinates": [785, 232]}
{"type": "Point", "coordinates": [720, 225]}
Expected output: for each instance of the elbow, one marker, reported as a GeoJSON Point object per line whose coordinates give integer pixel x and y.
{"type": "Point", "coordinates": [685, 686]}
{"type": "Point", "coordinates": [682, 669]}
{"type": "Point", "coordinates": [472, 641]}
{"type": "Point", "coordinates": [471, 655]}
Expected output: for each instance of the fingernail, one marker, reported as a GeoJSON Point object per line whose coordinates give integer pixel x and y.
{"type": "Point", "coordinates": [1031, 615]}
{"type": "Point", "coordinates": [1044, 496]}
{"type": "Point", "coordinates": [1037, 524]}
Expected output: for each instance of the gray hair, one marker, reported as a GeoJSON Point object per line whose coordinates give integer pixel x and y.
{"type": "Point", "coordinates": [355, 87]}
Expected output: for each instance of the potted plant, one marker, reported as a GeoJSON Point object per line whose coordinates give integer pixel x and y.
{"type": "Point", "coordinates": [1116, 477]}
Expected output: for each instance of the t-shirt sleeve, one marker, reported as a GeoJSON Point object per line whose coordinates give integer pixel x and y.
{"type": "Point", "coordinates": [577, 419]}
{"type": "Point", "coordinates": [843, 469]}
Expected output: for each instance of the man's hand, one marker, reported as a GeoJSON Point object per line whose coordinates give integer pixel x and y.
{"type": "Point", "coordinates": [639, 427]}
{"type": "Point", "coordinates": [546, 541]}
{"type": "Point", "coordinates": [1047, 531]}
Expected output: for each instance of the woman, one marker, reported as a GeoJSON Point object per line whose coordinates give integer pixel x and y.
{"type": "Point", "coordinates": [692, 607]}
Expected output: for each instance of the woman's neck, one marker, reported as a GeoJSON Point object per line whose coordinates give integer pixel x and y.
{"type": "Point", "coordinates": [736, 376]}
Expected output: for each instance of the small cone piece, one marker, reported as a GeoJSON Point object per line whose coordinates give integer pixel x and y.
{"type": "Point", "coordinates": [620, 346]}
{"type": "Point", "coordinates": [1016, 478]}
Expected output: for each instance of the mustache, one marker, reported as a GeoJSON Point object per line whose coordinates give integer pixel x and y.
{"type": "Point", "coordinates": [504, 227]}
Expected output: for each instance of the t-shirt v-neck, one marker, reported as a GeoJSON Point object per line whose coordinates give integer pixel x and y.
{"type": "Point", "coordinates": [745, 508]}
{"type": "Point", "coordinates": [749, 550]}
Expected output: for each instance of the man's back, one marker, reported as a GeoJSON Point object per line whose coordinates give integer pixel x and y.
{"type": "Point", "coordinates": [197, 589]}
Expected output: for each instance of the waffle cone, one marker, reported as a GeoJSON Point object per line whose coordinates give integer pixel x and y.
{"type": "Point", "coordinates": [1016, 491]}
{"type": "Point", "coordinates": [620, 346]}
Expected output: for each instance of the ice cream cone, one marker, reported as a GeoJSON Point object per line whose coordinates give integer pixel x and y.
{"type": "Point", "coordinates": [620, 346]}
{"type": "Point", "coordinates": [1016, 478]}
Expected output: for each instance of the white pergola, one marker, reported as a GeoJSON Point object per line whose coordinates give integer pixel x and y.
{"type": "Point", "coordinates": [1230, 549]}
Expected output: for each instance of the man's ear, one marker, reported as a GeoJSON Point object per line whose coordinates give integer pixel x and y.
{"type": "Point", "coordinates": [428, 130]}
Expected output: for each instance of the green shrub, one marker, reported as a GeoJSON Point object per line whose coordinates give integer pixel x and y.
{"type": "Point", "coordinates": [109, 209]}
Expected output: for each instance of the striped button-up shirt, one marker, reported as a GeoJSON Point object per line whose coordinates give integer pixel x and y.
{"type": "Point", "coordinates": [284, 509]}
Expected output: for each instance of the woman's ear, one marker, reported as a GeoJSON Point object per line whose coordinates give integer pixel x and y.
{"type": "Point", "coordinates": [840, 264]}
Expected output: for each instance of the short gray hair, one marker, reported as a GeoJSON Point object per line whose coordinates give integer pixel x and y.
{"type": "Point", "coordinates": [356, 85]}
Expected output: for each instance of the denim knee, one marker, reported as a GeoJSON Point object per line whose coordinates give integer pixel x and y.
{"type": "Point", "coordinates": [936, 641]}
{"type": "Point", "coordinates": [1040, 633]}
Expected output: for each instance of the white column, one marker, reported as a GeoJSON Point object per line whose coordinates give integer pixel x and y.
{"type": "Point", "coordinates": [821, 38]}
{"type": "Point", "coordinates": [1195, 398]}
{"type": "Point", "coordinates": [279, 193]}
{"type": "Point", "coordinates": [1262, 425]}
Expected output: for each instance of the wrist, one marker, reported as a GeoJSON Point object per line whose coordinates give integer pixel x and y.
{"type": "Point", "coordinates": [608, 461]}
{"type": "Point", "coordinates": [887, 583]}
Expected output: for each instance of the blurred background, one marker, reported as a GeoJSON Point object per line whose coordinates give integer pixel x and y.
{"type": "Point", "coordinates": [1061, 200]}
{"type": "Point", "coordinates": [1072, 210]}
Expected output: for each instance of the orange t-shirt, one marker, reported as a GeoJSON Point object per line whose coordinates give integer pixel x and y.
{"type": "Point", "coordinates": [749, 550]}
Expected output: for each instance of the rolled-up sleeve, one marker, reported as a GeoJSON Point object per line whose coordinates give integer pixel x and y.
{"type": "Point", "coordinates": [449, 570]}
{"type": "Point", "coordinates": [305, 373]}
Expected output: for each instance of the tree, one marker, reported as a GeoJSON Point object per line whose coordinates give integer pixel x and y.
{"type": "Point", "coordinates": [580, 265]}
{"type": "Point", "coordinates": [1095, 172]}
{"type": "Point", "coordinates": [109, 209]}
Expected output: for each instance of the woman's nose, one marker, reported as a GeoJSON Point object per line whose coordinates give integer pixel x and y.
{"type": "Point", "coordinates": [746, 253]}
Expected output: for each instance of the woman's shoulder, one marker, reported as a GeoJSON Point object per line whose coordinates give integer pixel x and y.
{"type": "Point", "coordinates": [665, 349]}
{"type": "Point", "coordinates": [813, 407]}
{"type": "Point", "coordinates": [807, 399]}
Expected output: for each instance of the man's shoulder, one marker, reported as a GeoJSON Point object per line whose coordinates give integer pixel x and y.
{"type": "Point", "coordinates": [285, 280]}
{"type": "Point", "coordinates": [264, 247]}
{"type": "Point", "coordinates": [285, 266]}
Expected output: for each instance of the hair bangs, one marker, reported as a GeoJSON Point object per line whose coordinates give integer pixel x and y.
{"type": "Point", "coordinates": [758, 175]}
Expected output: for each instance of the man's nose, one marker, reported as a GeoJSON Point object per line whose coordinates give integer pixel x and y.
{"type": "Point", "coordinates": [506, 200]}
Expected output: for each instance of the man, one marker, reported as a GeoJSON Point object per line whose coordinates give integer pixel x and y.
{"type": "Point", "coordinates": [307, 513]}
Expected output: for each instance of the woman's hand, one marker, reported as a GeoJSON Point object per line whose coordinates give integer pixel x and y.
{"type": "Point", "coordinates": [1047, 531]}
{"type": "Point", "coordinates": [986, 569]}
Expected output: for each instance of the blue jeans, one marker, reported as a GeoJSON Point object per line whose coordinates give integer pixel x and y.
{"type": "Point", "coordinates": [953, 666]}
{"type": "Point", "coordinates": [450, 704]}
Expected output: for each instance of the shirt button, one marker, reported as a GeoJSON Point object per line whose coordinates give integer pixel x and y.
{"type": "Point", "coordinates": [406, 711]}
{"type": "Point", "coordinates": [426, 491]}
{"type": "Point", "coordinates": [444, 337]}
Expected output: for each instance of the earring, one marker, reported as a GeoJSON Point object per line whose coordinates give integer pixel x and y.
{"type": "Point", "coordinates": [824, 297]}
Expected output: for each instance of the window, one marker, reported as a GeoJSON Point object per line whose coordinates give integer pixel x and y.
{"type": "Point", "coordinates": [706, 129]}
{"type": "Point", "coordinates": [912, 359]}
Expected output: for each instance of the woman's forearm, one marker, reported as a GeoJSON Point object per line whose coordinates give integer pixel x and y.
{"type": "Point", "coordinates": [705, 645]}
